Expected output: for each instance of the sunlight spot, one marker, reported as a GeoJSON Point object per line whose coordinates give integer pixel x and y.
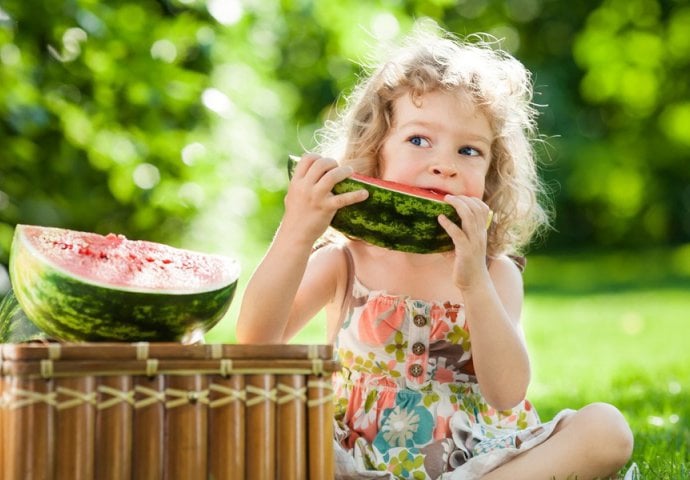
{"type": "Point", "coordinates": [631, 323]}
{"type": "Point", "coordinates": [71, 43]}
{"type": "Point", "coordinates": [146, 176]}
{"type": "Point", "coordinates": [10, 54]}
{"type": "Point", "coordinates": [674, 388]}
{"type": "Point", "coordinates": [164, 50]}
{"type": "Point", "coordinates": [385, 26]}
{"type": "Point", "coordinates": [241, 201]}
{"type": "Point", "coordinates": [192, 153]}
{"type": "Point", "coordinates": [192, 194]}
{"type": "Point", "coordinates": [472, 9]}
{"type": "Point", "coordinates": [508, 36]}
{"type": "Point", "coordinates": [656, 421]}
{"type": "Point", "coordinates": [523, 10]}
{"type": "Point", "coordinates": [227, 12]}
{"type": "Point", "coordinates": [673, 419]}
{"type": "Point", "coordinates": [218, 102]}
{"type": "Point", "coordinates": [205, 35]}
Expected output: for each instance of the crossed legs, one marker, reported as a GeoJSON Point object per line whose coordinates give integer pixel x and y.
{"type": "Point", "coordinates": [594, 442]}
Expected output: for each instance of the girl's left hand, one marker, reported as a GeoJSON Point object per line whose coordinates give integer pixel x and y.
{"type": "Point", "coordinates": [469, 238]}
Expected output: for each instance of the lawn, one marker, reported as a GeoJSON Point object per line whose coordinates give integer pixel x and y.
{"type": "Point", "coordinates": [604, 327]}
{"type": "Point", "coordinates": [615, 328]}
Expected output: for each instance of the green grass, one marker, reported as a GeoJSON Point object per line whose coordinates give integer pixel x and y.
{"type": "Point", "coordinates": [604, 327]}
{"type": "Point", "coordinates": [616, 328]}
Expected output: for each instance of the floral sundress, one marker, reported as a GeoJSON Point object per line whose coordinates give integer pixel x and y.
{"type": "Point", "coordinates": [407, 401]}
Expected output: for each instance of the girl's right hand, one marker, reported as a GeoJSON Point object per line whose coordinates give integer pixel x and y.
{"type": "Point", "coordinates": [310, 204]}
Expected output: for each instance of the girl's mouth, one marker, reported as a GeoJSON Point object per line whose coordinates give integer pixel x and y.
{"type": "Point", "coordinates": [436, 191]}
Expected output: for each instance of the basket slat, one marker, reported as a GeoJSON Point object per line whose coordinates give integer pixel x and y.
{"type": "Point", "coordinates": [226, 454]}
{"type": "Point", "coordinates": [75, 428]}
{"type": "Point", "coordinates": [186, 440]}
{"type": "Point", "coordinates": [114, 429]}
{"type": "Point", "coordinates": [260, 434]}
{"type": "Point", "coordinates": [31, 424]}
{"type": "Point", "coordinates": [148, 428]}
{"type": "Point", "coordinates": [320, 421]}
{"type": "Point", "coordinates": [291, 447]}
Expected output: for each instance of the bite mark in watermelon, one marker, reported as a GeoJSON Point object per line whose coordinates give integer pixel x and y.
{"type": "Point", "coordinates": [394, 216]}
{"type": "Point", "coordinates": [80, 286]}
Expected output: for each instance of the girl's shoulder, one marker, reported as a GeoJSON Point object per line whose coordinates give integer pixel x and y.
{"type": "Point", "coordinates": [518, 262]}
{"type": "Point", "coordinates": [506, 275]}
{"type": "Point", "coordinates": [333, 260]}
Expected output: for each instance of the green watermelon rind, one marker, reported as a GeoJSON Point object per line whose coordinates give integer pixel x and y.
{"type": "Point", "coordinates": [15, 325]}
{"type": "Point", "coordinates": [69, 308]}
{"type": "Point", "coordinates": [391, 219]}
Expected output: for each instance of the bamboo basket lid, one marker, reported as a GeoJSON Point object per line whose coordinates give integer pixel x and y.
{"type": "Point", "coordinates": [49, 360]}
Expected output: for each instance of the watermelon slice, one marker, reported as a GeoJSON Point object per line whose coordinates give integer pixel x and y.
{"type": "Point", "coordinates": [394, 216]}
{"type": "Point", "coordinates": [79, 286]}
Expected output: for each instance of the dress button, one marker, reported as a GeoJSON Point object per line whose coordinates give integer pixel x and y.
{"type": "Point", "coordinates": [418, 348]}
{"type": "Point", "coordinates": [416, 370]}
{"type": "Point", "coordinates": [419, 320]}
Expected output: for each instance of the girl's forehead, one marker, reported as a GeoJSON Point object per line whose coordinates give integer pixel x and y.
{"type": "Point", "coordinates": [437, 102]}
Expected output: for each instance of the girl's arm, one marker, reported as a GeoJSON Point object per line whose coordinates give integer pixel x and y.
{"type": "Point", "coordinates": [289, 286]}
{"type": "Point", "coordinates": [493, 305]}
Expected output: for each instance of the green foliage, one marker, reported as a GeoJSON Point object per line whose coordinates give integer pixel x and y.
{"type": "Point", "coordinates": [99, 101]}
{"type": "Point", "coordinates": [171, 119]}
{"type": "Point", "coordinates": [627, 172]}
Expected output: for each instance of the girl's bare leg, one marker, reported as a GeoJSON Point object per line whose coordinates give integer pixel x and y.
{"type": "Point", "coordinates": [594, 442]}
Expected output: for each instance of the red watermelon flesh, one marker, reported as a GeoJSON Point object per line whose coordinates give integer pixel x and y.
{"type": "Point", "coordinates": [401, 187]}
{"type": "Point", "coordinates": [131, 264]}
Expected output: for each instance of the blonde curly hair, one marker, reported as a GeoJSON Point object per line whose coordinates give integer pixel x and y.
{"type": "Point", "coordinates": [431, 59]}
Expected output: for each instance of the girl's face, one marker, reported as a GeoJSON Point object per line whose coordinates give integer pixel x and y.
{"type": "Point", "coordinates": [440, 141]}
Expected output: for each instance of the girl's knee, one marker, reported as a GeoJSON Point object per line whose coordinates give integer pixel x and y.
{"type": "Point", "coordinates": [609, 433]}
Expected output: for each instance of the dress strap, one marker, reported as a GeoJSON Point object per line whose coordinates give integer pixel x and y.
{"type": "Point", "coordinates": [347, 296]}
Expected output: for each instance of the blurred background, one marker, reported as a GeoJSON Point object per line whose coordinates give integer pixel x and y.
{"type": "Point", "coordinates": [171, 120]}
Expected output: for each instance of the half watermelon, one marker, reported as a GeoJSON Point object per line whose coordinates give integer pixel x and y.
{"type": "Point", "coordinates": [79, 286]}
{"type": "Point", "coordinates": [394, 216]}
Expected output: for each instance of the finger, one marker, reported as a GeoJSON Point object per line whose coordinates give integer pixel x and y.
{"type": "Point", "coordinates": [348, 198]}
{"type": "Point", "coordinates": [452, 229]}
{"type": "Point", "coordinates": [312, 167]}
{"type": "Point", "coordinates": [320, 167]}
{"type": "Point", "coordinates": [473, 211]}
{"type": "Point", "coordinates": [337, 174]}
{"type": "Point", "coordinates": [304, 164]}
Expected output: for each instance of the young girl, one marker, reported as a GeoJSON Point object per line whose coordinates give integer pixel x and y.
{"type": "Point", "coordinates": [434, 363]}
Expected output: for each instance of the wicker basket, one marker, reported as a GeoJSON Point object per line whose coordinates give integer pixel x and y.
{"type": "Point", "coordinates": [166, 411]}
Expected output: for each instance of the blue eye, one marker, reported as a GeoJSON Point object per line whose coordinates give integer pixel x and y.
{"type": "Point", "coordinates": [469, 151]}
{"type": "Point", "coordinates": [418, 141]}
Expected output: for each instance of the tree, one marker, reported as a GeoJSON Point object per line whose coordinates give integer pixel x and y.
{"type": "Point", "coordinates": [172, 120]}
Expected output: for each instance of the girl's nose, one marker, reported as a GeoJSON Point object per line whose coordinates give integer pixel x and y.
{"type": "Point", "coordinates": [444, 169]}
